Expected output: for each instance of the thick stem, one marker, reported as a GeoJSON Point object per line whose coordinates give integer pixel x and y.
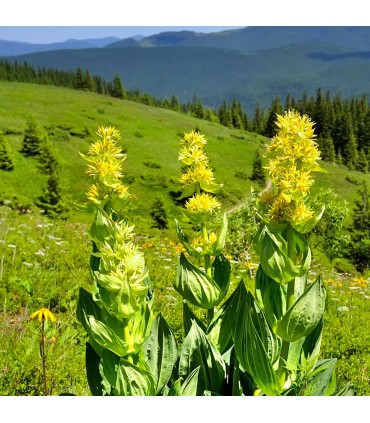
{"type": "Point", "coordinates": [290, 300]}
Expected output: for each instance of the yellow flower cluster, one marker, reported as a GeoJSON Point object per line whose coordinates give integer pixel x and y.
{"type": "Point", "coordinates": [202, 203]}
{"type": "Point", "coordinates": [105, 161]}
{"type": "Point", "coordinates": [192, 154]}
{"type": "Point", "coordinates": [294, 156]}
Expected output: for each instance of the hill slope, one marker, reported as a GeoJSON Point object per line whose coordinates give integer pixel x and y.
{"type": "Point", "coordinates": [151, 137]}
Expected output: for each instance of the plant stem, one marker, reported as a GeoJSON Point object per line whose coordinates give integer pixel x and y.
{"type": "Point", "coordinates": [42, 353]}
{"type": "Point", "coordinates": [208, 268]}
{"type": "Point", "coordinates": [290, 299]}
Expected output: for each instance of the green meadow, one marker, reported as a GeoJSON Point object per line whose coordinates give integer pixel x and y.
{"type": "Point", "coordinates": [44, 261]}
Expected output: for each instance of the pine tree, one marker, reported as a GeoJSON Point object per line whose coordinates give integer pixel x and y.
{"type": "Point", "coordinates": [326, 147]}
{"type": "Point", "coordinates": [359, 248]}
{"type": "Point", "coordinates": [5, 160]}
{"type": "Point", "coordinates": [159, 215]}
{"type": "Point", "coordinates": [258, 173]}
{"type": "Point", "coordinates": [270, 127]}
{"type": "Point", "coordinates": [258, 123]}
{"type": "Point", "coordinates": [118, 90]}
{"type": "Point", "coordinates": [362, 162]}
{"type": "Point", "coordinates": [32, 139]}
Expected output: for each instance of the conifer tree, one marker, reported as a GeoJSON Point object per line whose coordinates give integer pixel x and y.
{"type": "Point", "coordinates": [32, 139]}
{"type": "Point", "coordinates": [362, 164]}
{"type": "Point", "coordinates": [5, 160]}
{"type": "Point", "coordinates": [258, 122]}
{"type": "Point", "coordinates": [258, 172]}
{"type": "Point", "coordinates": [118, 90]}
{"type": "Point", "coordinates": [270, 127]}
{"type": "Point", "coordinates": [359, 248]}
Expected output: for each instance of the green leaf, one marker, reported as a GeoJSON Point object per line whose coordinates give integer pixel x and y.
{"type": "Point", "coordinates": [190, 385]}
{"type": "Point", "coordinates": [94, 377]}
{"type": "Point", "coordinates": [275, 261]}
{"type": "Point", "coordinates": [106, 337]}
{"type": "Point", "coordinates": [102, 228]}
{"type": "Point", "coordinates": [221, 327]}
{"type": "Point", "coordinates": [87, 307]}
{"type": "Point", "coordinates": [271, 297]}
{"type": "Point", "coordinates": [196, 286]}
{"type": "Point", "coordinates": [198, 351]}
{"type": "Point", "coordinates": [256, 347]}
{"type": "Point", "coordinates": [193, 252]}
{"type": "Point", "coordinates": [220, 243]}
{"type": "Point", "coordinates": [221, 272]}
{"type": "Point", "coordinates": [161, 352]}
{"type": "Point", "coordinates": [127, 379]}
{"type": "Point", "coordinates": [188, 317]}
{"type": "Point", "coordinates": [346, 390]}
{"type": "Point", "coordinates": [188, 191]}
{"type": "Point", "coordinates": [321, 382]}
{"type": "Point", "coordinates": [210, 187]}
{"type": "Point", "coordinates": [305, 314]}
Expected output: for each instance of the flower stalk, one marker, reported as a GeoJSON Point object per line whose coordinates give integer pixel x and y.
{"type": "Point", "coordinates": [43, 315]}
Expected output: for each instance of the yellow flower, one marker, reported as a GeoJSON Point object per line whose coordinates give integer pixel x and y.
{"type": "Point", "coordinates": [44, 314]}
{"type": "Point", "coordinates": [194, 138]}
{"type": "Point", "coordinates": [199, 173]}
{"type": "Point", "coordinates": [290, 168]}
{"type": "Point", "coordinates": [202, 203]}
{"type": "Point", "coordinates": [109, 133]}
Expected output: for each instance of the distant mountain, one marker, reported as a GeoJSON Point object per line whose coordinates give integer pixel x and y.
{"type": "Point", "coordinates": [254, 39]}
{"type": "Point", "coordinates": [15, 48]}
{"type": "Point", "coordinates": [252, 64]}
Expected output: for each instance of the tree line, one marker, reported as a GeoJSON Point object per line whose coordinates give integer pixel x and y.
{"type": "Point", "coordinates": [342, 125]}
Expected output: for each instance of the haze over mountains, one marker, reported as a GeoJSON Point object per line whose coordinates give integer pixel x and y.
{"type": "Point", "coordinates": [253, 64]}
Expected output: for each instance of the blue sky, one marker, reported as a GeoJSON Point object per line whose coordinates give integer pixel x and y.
{"type": "Point", "coordinates": [51, 34]}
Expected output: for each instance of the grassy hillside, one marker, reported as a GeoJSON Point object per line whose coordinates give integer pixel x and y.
{"type": "Point", "coordinates": [150, 136]}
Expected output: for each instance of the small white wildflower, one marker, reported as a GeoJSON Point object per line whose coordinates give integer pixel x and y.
{"type": "Point", "coordinates": [343, 308]}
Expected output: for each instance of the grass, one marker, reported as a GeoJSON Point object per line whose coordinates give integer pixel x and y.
{"type": "Point", "coordinates": [43, 262]}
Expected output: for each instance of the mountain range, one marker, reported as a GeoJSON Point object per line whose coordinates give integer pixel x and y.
{"type": "Point", "coordinates": [252, 64]}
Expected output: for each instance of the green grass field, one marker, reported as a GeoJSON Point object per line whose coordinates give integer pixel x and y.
{"type": "Point", "coordinates": [43, 262]}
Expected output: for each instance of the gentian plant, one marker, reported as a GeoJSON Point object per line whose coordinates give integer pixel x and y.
{"type": "Point", "coordinates": [260, 342]}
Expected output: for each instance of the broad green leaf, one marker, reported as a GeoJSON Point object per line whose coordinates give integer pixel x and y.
{"type": "Point", "coordinates": [94, 377]}
{"type": "Point", "coordinates": [221, 271]}
{"type": "Point", "coordinates": [222, 326]}
{"type": "Point", "coordinates": [346, 390]}
{"type": "Point", "coordinates": [271, 297]}
{"type": "Point", "coordinates": [305, 314]}
{"type": "Point", "coordinates": [321, 382]}
{"type": "Point", "coordinates": [195, 286]}
{"type": "Point", "coordinates": [193, 252]}
{"type": "Point", "coordinates": [198, 351]}
{"type": "Point", "coordinates": [161, 352]}
{"type": "Point", "coordinates": [87, 307]}
{"type": "Point", "coordinates": [102, 228]}
{"type": "Point", "coordinates": [188, 317]}
{"type": "Point", "coordinates": [256, 347]}
{"type": "Point", "coordinates": [190, 384]}
{"type": "Point", "coordinates": [140, 326]}
{"type": "Point", "coordinates": [127, 379]}
{"type": "Point", "coordinates": [220, 243]}
{"type": "Point", "coordinates": [275, 261]}
{"type": "Point", "coordinates": [188, 191]}
{"type": "Point", "coordinates": [210, 187]}
{"type": "Point", "coordinates": [107, 338]}
{"type": "Point", "coordinates": [108, 282]}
